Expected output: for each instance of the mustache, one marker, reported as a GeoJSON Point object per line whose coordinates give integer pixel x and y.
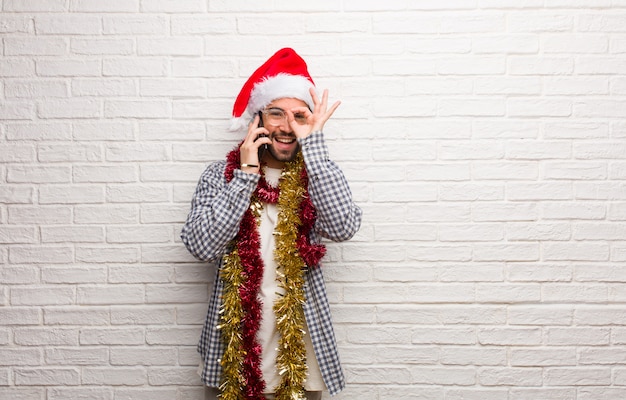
{"type": "Point", "coordinates": [282, 134]}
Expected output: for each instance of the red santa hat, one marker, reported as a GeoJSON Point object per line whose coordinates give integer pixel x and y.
{"type": "Point", "coordinates": [283, 75]}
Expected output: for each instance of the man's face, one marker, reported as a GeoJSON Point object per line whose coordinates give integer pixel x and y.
{"type": "Point", "coordinates": [284, 145]}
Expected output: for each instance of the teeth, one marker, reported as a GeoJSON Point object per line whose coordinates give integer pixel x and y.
{"type": "Point", "coordinates": [284, 140]}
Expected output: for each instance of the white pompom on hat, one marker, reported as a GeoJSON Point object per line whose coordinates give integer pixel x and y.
{"type": "Point", "coordinates": [283, 75]}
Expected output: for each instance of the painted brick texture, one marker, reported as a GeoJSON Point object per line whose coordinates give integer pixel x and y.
{"type": "Point", "coordinates": [484, 139]}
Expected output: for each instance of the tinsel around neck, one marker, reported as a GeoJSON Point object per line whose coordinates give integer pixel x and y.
{"type": "Point", "coordinates": [242, 275]}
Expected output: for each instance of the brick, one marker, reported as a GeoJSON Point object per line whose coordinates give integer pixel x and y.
{"type": "Point", "coordinates": [114, 376]}
{"type": "Point", "coordinates": [17, 110]}
{"type": "Point", "coordinates": [74, 274]}
{"type": "Point", "coordinates": [41, 255]}
{"type": "Point", "coordinates": [134, 24]}
{"type": "Point", "coordinates": [19, 274]}
{"type": "Point", "coordinates": [111, 214]}
{"type": "Point", "coordinates": [107, 254]}
{"type": "Point", "coordinates": [601, 356]}
{"type": "Point", "coordinates": [62, 194]}
{"type": "Point", "coordinates": [444, 375]}
{"type": "Point", "coordinates": [46, 336]}
{"type": "Point", "coordinates": [178, 131]}
{"type": "Point", "coordinates": [112, 336]}
{"type": "Point", "coordinates": [39, 215]}
{"type": "Point", "coordinates": [42, 296]}
{"type": "Point", "coordinates": [497, 293]}
{"type": "Point", "coordinates": [506, 252]}
{"type": "Point", "coordinates": [173, 6]}
{"type": "Point", "coordinates": [17, 67]}
{"type": "Point", "coordinates": [76, 356]}
{"type": "Point", "coordinates": [17, 393]}
{"type": "Point", "coordinates": [138, 152]}
{"type": "Point", "coordinates": [135, 356]}
{"type": "Point", "coordinates": [35, 5]}
{"type": "Point", "coordinates": [146, 66]}
{"type": "Point", "coordinates": [133, 193]}
{"type": "Point", "coordinates": [103, 174]}
{"type": "Point", "coordinates": [163, 213]}
{"type": "Point", "coordinates": [203, 68]}
{"type": "Point", "coordinates": [509, 336]}
{"type": "Point", "coordinates": [457, 336]}
{"type": "Point", "coordinates": [67, 25]}
{"type": "Point", "coordinates": [180, 336]}
{"type": "Point", "coordinates": [19, 357]}
{"type": "Point", "coordinates": [510, 376]}
{"type": "Point", "coordinates": [46, 376]}
{"type": "Point", "coordinates": [472, 356]}
{"type": "Point", "coordinates": [112, 6]}
{"type": "Point", "coordinates": [473, 394]}
{"type": "Point", "coordinates": [82, 316]}
{"type": "Point", "coordinates": [110, 294]}
{"type": "Point", "coordinates": [140, 234]}
{"type": "Point", "coordinates": [108, 131]}
{"type": "Point", "coordinates": [143, 315]}
{"type": "Point", "coordinates": [69, 68]}
{"type": "Point", "coordinates": [15, 24]}
{"type": "Point", "coordinates": [36, 89]}
{"type": "Point", "coordinates": [40, 46]}
{"type": "Point", "coordinates": [39, 131]}
{"type": "Point", "coordinates": [588, 251]}
{"type": "Point", "coordinates": [390, 375]}
{"type": "Point", "coordinates": [69, 109]}
{"type": "Point", "coordinates": [538, 231]}
{"type": "Point", "coordinates": [159, 294]}
{"type": "Point", "coordinates": [530, 65]}
{"type": "Point", "coordinates": [595, 393]}
{"type": "Point", "coordinates": [16, 194]}
{"type": "Point", "coordinates": [577, 376]}
{"type": "Point", "coordinates": [16, 235]}
{"type": "Point", "coordinates": [137, 109]}
{"type": "Point", "coordinates": [34, 174]}
{"type": "Point", "coordinates": [145, 394]}
{"type": "Point", "coordinates": [101, 47]}
{"type": "Point", "coordinates": [20, 316]}
{"type": "Point", "coordinates": [80, 393]}
{"type": "Point", "coordinates": [103, 87]}
{"type": "Point", "coordinates": [169, 47]}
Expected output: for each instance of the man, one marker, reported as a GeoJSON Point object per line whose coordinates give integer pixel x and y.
{"type": "Point", "coordinates": [261, 214]}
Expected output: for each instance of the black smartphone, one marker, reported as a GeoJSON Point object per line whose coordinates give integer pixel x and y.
{"type": "Point", "coordinates": [263, 147]}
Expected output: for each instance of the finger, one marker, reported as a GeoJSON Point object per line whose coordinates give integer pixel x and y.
{"type": "Point", "coordinates": [332, 109]}
{"type": "Point", "coordinates": [254, 130]}
{"type": "Point", "coordinates": [324, 99]}
{"type": "Point", "coordinates": [314, 97]}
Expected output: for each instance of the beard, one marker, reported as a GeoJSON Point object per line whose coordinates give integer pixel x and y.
{"type": "Point", "coordinates": [283, 155]}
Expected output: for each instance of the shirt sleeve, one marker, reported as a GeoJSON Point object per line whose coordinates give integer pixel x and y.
{"type": "Point", "coordinates": [338, 218]}
{"type": "Point", "coordinates": [217, 208]}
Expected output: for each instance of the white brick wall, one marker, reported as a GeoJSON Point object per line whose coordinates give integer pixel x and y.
{"type": "Point", "coordinates": [484, 140]}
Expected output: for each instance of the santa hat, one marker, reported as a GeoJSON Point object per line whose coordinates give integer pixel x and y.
{"type": "Point", "coordinates": [283, 75]}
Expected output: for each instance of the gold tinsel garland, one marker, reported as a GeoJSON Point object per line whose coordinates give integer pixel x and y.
{"type": "Point", "coordinates": [231, 315]}
{"type": "Point", "coordinates": [288, 308]}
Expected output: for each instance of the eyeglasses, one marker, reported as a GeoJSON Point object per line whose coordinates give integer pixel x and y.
{"type": "Point", "coordinates": [276, 116]}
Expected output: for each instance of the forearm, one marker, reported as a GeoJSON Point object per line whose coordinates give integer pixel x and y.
{"type": "Point", "coordinates": [217, 209]}
{"type": "Point", "coordinates": [338, 218]}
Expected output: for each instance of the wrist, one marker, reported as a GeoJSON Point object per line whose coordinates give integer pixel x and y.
{"type": "Point", "coordinates": [250, 168]}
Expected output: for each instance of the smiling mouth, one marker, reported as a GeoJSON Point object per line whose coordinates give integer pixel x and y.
{"type": "Point", "coordinates": [285, 139]}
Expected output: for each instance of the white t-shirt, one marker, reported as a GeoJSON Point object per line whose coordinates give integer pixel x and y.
{"type": "Point", "coordinates": [268, 335]}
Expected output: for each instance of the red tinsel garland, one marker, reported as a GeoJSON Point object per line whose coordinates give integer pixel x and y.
{"type": "Point", "coordinates": [248, 245]}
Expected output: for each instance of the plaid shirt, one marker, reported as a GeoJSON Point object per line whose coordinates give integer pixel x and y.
{"type": "Point", "coordinates": [216, 210]}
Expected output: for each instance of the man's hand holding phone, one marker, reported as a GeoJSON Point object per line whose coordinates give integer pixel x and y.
{"type": "Point", "coordinates": [253, 146]}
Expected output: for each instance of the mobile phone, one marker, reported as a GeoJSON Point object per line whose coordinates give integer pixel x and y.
{"type": "Point", "coordinates": [263, 147]}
